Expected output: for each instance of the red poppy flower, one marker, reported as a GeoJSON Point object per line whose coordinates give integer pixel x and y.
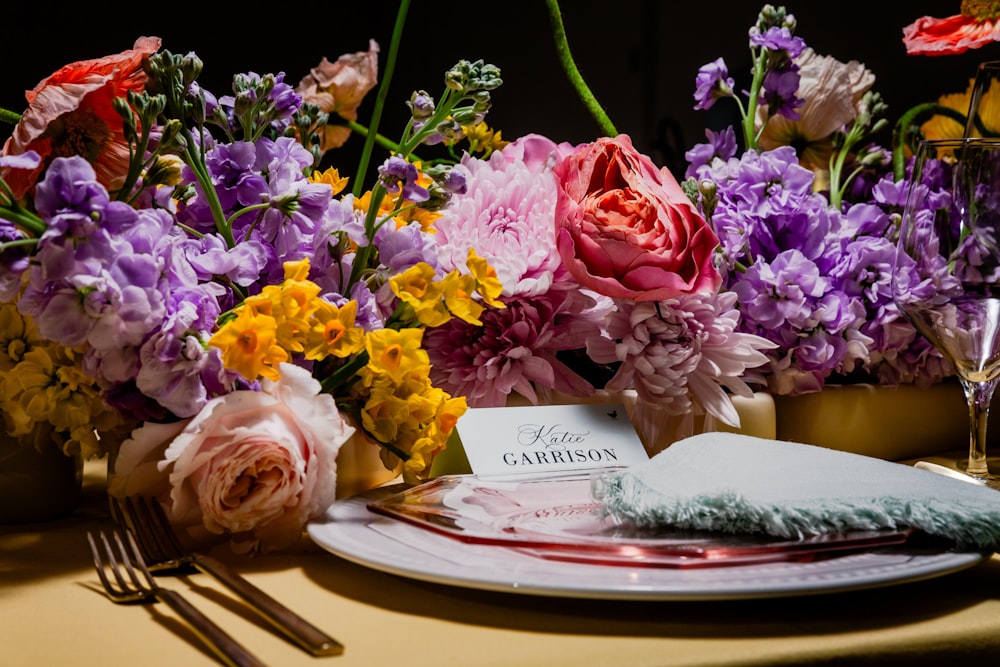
{"type": "Point", "coordinates": [976, 26]}
{"type": "Point", "coordinates": [70, 113]}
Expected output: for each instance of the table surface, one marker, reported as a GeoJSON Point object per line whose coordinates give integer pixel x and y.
{"type": "Point", "coordinates": [52, 611]}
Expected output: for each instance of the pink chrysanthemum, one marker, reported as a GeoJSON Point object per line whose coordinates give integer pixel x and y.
{"type": "Point", "coordinates": [507, 216]}
{"type": "Point", "coordinates": [515, 349]}
{"type": "Point", "coordinates": [680, 356]}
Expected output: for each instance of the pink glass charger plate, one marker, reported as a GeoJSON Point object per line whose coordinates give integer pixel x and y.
{"type": "Point", "coordinates": [558, 519]}
{"type": "Point", "coordinates": [352, 531]}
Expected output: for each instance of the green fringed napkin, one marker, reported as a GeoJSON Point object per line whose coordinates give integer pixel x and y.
{"type": "Point", "coordinates": [741, 484]}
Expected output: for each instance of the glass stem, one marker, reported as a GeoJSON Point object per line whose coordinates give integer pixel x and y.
{"type": "Point", "coordinates": [979, 396]}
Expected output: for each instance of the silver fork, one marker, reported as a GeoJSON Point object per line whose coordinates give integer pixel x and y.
{"type": "Point", "coordinates": [144, 589]}
{"type": "Point", "coordinates": [163, 553]}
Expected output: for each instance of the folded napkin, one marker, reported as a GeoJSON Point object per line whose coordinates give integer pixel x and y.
{"type": "Point", "coordinates": [742, 484]}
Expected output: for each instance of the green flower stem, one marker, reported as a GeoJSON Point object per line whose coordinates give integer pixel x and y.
{"type": "Point", "coordinates": [383, 92]}
{"type": "Point", "coordinates": [913, 119]}
{"type": "Point", "coordinates": [575, 78]}
{"type": "Point", "coordinates": [750, 115]}
{"type": "Point", "coordinates": [26, 220]}
{"type": "Point", "coordinates": [8, 116]}
{"type": "Point", "coordinates": [381, 140]}
{"type": "Point", "coordinates": [345, 373]}
{"type": "Point", "coordinates": [837, 161]}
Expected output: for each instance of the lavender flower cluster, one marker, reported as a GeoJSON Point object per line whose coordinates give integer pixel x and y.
{"type": "Point", "coordinates": [810, 275]}
{"type": "Point", "coordinates": [160, 271]}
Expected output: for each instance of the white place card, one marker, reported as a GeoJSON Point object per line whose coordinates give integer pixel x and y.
{"type": "Point", "coordinates": [551, 438]}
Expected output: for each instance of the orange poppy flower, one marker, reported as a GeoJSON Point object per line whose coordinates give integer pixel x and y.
{"type": "Point", "coordinates": [70, 113]}
{"type": "Point", "coordinates": [978, 24]}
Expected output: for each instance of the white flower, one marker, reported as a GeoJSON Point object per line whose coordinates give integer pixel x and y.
{"type": "Point", "coordinates": [831, 91]}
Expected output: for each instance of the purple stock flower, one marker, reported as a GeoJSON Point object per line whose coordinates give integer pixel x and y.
{"type": "Point", "coordinates": [396, 171]}
{"type": "Point", "coordinates": [779, 93]}
{"type": "Point", "coordinates": [713, 82]}
{"type": "Point", "coordinates": [780, 39]}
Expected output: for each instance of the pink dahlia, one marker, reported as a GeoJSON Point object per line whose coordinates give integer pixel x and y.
{"type": "Point", "coordinates": [515, 349]}
{"type": "Point", "coordinates": [680, 355]}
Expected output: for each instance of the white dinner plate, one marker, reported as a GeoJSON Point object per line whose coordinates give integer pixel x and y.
{"type": "Point", "coordinates": [351, 531]}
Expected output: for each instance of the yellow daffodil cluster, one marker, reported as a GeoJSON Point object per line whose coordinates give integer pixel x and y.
{"type": "Point", "coordinates": [384, 375]}
{"type": "Point", "coordinates": [401, 408]}
{"type": "Point", "coordinates": [45, 397]}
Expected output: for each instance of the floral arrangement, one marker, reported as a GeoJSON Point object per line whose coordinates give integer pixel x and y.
{"type": "Point", "coordinates": [184, 288]}
{"type": "Point", "coordinates": [188, 286]}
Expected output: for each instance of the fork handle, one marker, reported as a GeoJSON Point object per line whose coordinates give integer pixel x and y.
{"type": "Point", "coordinates": [293, 626]}
{"type": "Point", "coordinates": [228, 649]}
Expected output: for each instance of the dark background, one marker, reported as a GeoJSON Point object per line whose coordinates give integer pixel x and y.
{"type": "Point", "coordinates": [640, 57]}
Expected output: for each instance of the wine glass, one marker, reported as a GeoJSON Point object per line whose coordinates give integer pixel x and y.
{"type": "Point", "coordinates": [983, 119]}
{"type": "Point", "coordinates": [946, 279]}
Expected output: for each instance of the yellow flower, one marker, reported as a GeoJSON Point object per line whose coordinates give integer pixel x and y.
{"type": "Point", "coordinates": [248, 345]}
{"type": "Point", "coordinates": [487, 283]}
{"type": "Point", "coordinates": [942, 127]}
{"type": "Point", "coordinates": [333, 331]}
{"type": "Point", "coordinates": [384, 413]}
{"type": "Point", "coordinates": [395, 353]}
{"type": "Point", "coordinates": [18, 335]}
{"type": "Point", "coordinates": [332, 178]}
{"type": "Point", "coordinates": [482, 139]}
{"type": "Point", "coordinates": [458, 297]}
{"type": "Point", "coordinates": [48, 400]}
{"type": "Point", "coordinates": [417, 288]}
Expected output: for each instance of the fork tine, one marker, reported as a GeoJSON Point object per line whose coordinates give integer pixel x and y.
{"type": "Point", "coordinates": [113, 564]}
{"type": "Point", "coordinates": [158, 519]}
{"type": "Point", "coordinates": [134, 557]}
{"type": "Point", "coordinates": [99, 563]}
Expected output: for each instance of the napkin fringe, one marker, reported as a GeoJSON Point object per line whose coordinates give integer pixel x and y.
{"type": "Point", "coordinates": [625, 498]}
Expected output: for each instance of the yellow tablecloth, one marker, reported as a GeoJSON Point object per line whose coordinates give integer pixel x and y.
{"type": "Point", "coordinates": [53, 613]}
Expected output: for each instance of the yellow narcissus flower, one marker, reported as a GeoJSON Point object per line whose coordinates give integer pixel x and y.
{"type": "Point", "coordinates": [333, 332]}
{"type": "Point", "coordinates": [482, 139]}
{"type": "Point", "coordinates": [458, 298]}
{"type": "Point", "coordinates": [249, 346]}
{"type": "Point", "coordinates": [48, 400]}
{"type": "Point", "coordinates": [487, 283]}
{"type": "Point", "coordinates": [395, 353]}
{"type": "Point", "coordinates": [417, 288]}
{"type": "Point", "coordinates": [18, 335]}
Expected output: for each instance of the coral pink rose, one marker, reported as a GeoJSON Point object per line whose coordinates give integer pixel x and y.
{"type": "Point", "coordinates": [253, 465]}
{"type": "Point", "coordinates": [626, 230]}
{"type": "Point", "coordinates": [71, 113]}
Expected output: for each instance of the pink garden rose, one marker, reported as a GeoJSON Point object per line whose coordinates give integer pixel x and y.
{"type": "Point", "coordinates": [253, 465]}
{"type": "Point", "coordinates": [625, 229]}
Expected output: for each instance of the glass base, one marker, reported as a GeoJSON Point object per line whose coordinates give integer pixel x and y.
{"type": "Point", "coordinates": [991, 478]}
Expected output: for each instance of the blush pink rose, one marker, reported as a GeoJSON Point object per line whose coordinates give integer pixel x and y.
{"type": "Point", "coordinates": [625, 229]}
{"type": "Point", "coordinates": [255, 466]}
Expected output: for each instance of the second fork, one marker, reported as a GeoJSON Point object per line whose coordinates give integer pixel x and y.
{"type": "Point", "coordinates": [162, 551]}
